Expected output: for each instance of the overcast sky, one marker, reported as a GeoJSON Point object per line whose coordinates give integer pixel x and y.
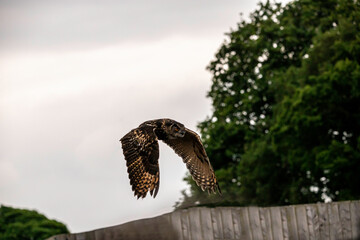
{"type": "Point", "coordinates": [75, 76]}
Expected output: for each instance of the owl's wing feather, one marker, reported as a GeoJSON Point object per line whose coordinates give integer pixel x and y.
{"type": "Point", "coordinates": [192, 151]}
{"type": "Point", "coordinates": [141, 151]}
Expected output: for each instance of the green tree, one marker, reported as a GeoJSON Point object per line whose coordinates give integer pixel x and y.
{"type": "Point", "coordinates": [285, 91]}
{"type": "Point", "coordinates": [21, 224]}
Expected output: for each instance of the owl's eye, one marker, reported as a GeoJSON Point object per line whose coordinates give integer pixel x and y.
{"type": "Point", "coordinates": [176, 129]}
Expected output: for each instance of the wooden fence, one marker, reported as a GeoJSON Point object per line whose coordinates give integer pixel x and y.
{"type": "Point", "coordinates": [334, 221]}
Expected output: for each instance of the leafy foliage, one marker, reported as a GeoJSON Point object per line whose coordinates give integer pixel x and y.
{"type": "Point", "coordinates": [285, 91]}
{"type": "Point", "coordinates": [20, 224]}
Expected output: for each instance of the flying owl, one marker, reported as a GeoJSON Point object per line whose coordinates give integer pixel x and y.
{"type": "Point", "coordinates": [141, 151]}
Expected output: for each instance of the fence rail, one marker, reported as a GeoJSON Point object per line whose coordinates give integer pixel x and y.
{"type": "Point", "coordinates": [333, 221]}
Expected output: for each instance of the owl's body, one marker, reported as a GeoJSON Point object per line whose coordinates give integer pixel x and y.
{"type": "Point", "coordinates": [141, 151]}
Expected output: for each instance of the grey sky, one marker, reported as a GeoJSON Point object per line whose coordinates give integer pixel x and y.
{"type": "Point", "coordinates": [75, 76]}
{"type": "Point", "coordinates": [79, 24]}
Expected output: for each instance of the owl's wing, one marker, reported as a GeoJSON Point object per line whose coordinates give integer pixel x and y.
{"type": "Point", "coordinates": [192, 151]}
{"type": "Point", "coordinates": [141, 151]}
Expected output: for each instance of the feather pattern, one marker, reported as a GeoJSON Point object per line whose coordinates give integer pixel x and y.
{"type": "Point", "coordinates": [191, 150]}
{"type": "Point", "coordinates": [141, 151]}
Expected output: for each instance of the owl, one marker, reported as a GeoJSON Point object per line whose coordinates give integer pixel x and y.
{"type": "Point", "coordinates": [141, 150]}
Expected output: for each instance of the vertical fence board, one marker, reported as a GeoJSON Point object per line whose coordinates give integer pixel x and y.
{"type": "Point", "coordinates": [265, 222]}
{"type": "Point", "coordinates": [195, 224]}
{"type": "Point", "coordinates": [335, 224]}
{"type": "Point", "coordinates": [102, 234]}
{"type": "Point", "coordinates": [276, 223]}
{"type": "Point", "coordinates": [284, 223]}
{"type": "Point", "coordinates": [217, 223]}
{"type": "Point", "coordinates": [245, 231]}
{"type": "Point", "coordinates": [355, 219]}
{"type": "Point", "coordinates": [207, 229]}
{"type": "Point", "coordinates": [302, 224]}
{"type": "Point", "coordinates": [324, 223]}
{"type": "Point", "coordinates": [185, 224]}
{"type": "Point", "coordinates": [176, 223]}
{"type": "Point", "coordinates": [64, 237]}
{"type": "Point", "coordinates": [156, 228]}
{"type": "Point", "coordinates": [235, 212]}
{"type": "Point", "coordinates": [227, 223]}
{"type": "Point", "coordinates": [345, 219]}
{"type": "Point", "coordinates": [313, 221]}
{"type": "Point", "coordinates": [255, 225]}
{"type": "Point", "coordinates": [82, 236]}
{"type": "Point", "coordinates": [291, 222]}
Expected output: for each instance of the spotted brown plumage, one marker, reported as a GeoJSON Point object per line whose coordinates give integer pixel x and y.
{"type": "Point", "coordinates": [191, 150]}
{"type": "Point", "coordinates": [141, 151]}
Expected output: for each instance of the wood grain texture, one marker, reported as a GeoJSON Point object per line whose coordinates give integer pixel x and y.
{"type": "Point", "coordinates": [335, 224]}
{"type": "Point", "coordinates": [195, 224]}
{"type": "Point", "coordinates": [303, 229]}
{"type": "Point", "coordinates": [276, 223]}
{"type": "Point", "coordinates": [217, 223]}
{"type": "Point", "coordinates": [345, 220]}
{"type": "Point", "coordinates": [185, 224]}
{"type": "Point", "coordinates": [228, 224]}
{"type": "Point", "coordinates": [324, 224]}
{"type": "Point", "coordinates": [323, 221]}
{"type": "Point", "coordinates": [265, 222]}
{"type": "Point", "coordinates": [255, 225]}
{"type": "Point", "coordinates": [284, 222]}
{"type": "Point", "coordinates": [175, 220]}
{"type": "Point", "coordinates": [246, 232]}
{"type": "Point", "coordinates": [235, 212]}
{"type": "Point", "coordinates": [291, 222]}
{"type": "Point", "coordinates": [355, 219]}
{"type": "Point", "coordinates": [313, 221]}
{"type": "Point", "coordinates": [206, 223]}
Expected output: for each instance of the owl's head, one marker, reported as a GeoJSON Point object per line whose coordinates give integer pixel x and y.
{"type": "Point", "coordinates": [174, 129]}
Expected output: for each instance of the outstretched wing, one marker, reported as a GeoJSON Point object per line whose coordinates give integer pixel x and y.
{"type": "Point", "coordinates": [141, 151]}
{"type": "Point", "coordinates": [191, 150]}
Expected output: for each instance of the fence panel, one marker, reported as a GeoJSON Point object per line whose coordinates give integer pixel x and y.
{"type": "Point", "coordinates": [323, 221]}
